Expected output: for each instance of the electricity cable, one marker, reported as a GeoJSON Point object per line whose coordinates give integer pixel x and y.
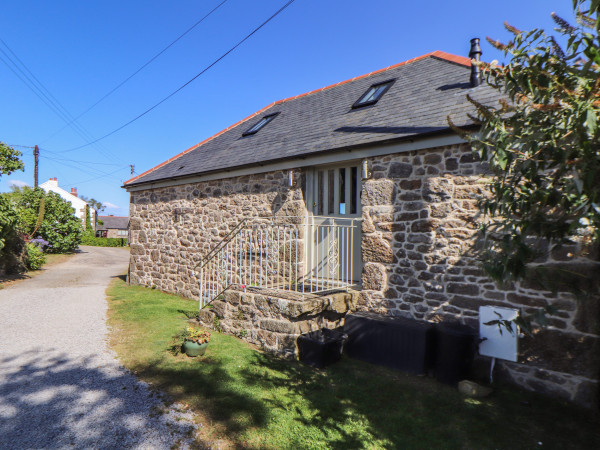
{"type": "Point", "coordinates": [38, 88]}
{"type": "Point", "coordinates": [88, 170]}
{"type": "Point", "coordinates": [20, 146]}
{"type": "Point", "coordinates": [97, 178]}
{"type": "Point", "coordinates": [77, 160]}
{"type": "Point", "coordinates": [138, 70]}
{"type": "Point", "coordinates": [52, 107]}
{"type": "Point", "coordinates": [186, 84]}
{"type": "Point", "coordinates": [64, 114]}
{"type": "Point", "coordinates": [107, 176]}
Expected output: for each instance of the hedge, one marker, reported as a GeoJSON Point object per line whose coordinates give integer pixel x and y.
{"type": "Point", "coordinates": [103, 242]}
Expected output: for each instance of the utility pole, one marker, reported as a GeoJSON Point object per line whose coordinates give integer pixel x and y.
{"type": "Point", "coordinates": [36, 155]}
{"type": "Point", "coordinates": [131, 166]}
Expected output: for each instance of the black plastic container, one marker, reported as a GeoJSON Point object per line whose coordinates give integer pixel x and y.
{"type": "Point", "coordinates": [455, 347]}
{"type": "Point", "coordinates": [395, 342]}
{"type": "Point", "coordinates": [321, 348]}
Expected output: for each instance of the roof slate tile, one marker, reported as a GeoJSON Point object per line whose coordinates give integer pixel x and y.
{"type": "Point", "coordinates": [426, 91]}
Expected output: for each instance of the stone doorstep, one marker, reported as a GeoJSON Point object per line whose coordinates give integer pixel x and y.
{"type": "Point", "coordinates": [296, 305]}
{"type": "Point", "coordinates": [280, 317]}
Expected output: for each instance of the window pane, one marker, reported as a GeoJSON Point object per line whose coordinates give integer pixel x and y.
{"type": "Point", "coordinates": [257, 126]}
{"type": "Point", "coordinates": [370, 94]}
{"type": "Point", "coordinates": [379, 91]}
{"type": "Point", "coordinates": [353, 188]}
{"type": "Point", "coordinates": [320, 193]}
{"type": "Point", "coordinates": [330, 189]}
{"type": "Point", "coordinates": [373, 94]}
{"type": "Point", "coordinates": [342, 191]}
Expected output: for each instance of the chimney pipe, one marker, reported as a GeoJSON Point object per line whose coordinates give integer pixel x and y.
{"type": "Point", "coordinates": [475, 54]}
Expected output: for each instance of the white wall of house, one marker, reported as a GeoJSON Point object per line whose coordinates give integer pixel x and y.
{"type": "Point", "coordinates": [78, 204]}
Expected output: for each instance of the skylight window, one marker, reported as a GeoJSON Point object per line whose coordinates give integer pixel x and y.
{"type": "Point", "coordinates": [373, 94]}
{"type": "Point", "coordinates": [260, 124]}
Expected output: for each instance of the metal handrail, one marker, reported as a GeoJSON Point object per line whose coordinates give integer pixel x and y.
{"type": "Point", "coordinates": [281, 253]}
{"type": "Point", "coordinates": [228, 237]}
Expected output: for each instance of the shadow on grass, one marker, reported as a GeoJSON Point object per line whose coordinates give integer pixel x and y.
{"type": "Point", "coordinates": [121, 277]}
{"type": "Point", "coordinates": [349, 406]}
{"type": "Point", "coordinates": [190, 314]}
{"type": "Point", "coordinates": [217, 395]}
{"type": "Point", "coordinates": [351, 402]}
{"type": "Point", "coordinates": [258, 400]}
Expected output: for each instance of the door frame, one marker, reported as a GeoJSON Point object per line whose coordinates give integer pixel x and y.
{"type": "Point", "coordinates": [314, 219]}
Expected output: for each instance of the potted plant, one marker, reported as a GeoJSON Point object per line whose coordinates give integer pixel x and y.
{"type": "Point", "coordinates": [195, 341]}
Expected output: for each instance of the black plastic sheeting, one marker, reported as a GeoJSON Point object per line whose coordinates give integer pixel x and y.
{"type": "Point", "coordinates": [455, 347]}
{"type": "Point", "coordinates": [395, 342]}
{"type": "Point", "coordinates": [321, 348]}
{"type": "Point", "coordinates": [444, 349]}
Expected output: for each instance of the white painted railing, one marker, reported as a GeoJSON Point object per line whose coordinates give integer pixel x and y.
{"type": "Point", "coordinates": [299, 254]}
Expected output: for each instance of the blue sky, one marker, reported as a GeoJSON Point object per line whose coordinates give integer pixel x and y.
{"type": "Point", "coordinates": [80, 50]}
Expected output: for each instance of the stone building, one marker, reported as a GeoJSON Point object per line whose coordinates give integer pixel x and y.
{"type": "Point", "coordinates": [112, 227]}
{"type": "Point", "coordinates": [356, 196]}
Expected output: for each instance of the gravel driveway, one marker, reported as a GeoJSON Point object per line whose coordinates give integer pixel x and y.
{"type": "Point", "coordinates": [60, 386]}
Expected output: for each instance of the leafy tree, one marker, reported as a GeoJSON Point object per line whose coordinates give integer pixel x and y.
{"type": "Point", "coordinates": [11, 243]}
{"type": "Point", "coordinates": [543, 146]}
{"type": "Point", "coordinates": [58, 226]}
{"type": "Point", "coordinates": [9, 160]}
{"type": "Point", "coordinates": [88, 220]}
{"type": "Point", "coordinates": [93, 203]}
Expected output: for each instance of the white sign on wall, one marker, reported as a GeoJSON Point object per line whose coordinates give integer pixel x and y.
{"type": "Point", "coordinates": [498, 341]}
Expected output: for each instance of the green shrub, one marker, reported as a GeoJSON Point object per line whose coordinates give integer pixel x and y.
{"type": "Point", "coordinates": [35, 257]}
{"type": "Point", "coordinates": [59, 225]}
{"type": "Point", "coordinates": [103, 242]}
{"type": "Point", "coordinates": [12, 244]}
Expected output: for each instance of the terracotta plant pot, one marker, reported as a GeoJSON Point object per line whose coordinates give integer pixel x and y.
{"type": "Point", "coordinates": [192, 348]}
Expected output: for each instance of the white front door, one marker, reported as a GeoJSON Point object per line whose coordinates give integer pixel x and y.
{"type": "Point", "coordinates": [333, 195]}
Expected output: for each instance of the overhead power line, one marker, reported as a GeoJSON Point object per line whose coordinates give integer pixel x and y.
{"type": "Point", "coordinates": [21, 71]}
{"type": "Point", "coordinates": [21, 146]}
{"type": "Point", "coordinates": [94, 163]}
{"type": "Point", "coordinates": [98, 177]}
{"type": "Point", "coordinates": [138, 70]}
{"type": "Point", "coordinates": [97, 174]}
{"type": "Point", "coordinates": [88, 170]}
{"type": "Point", "coordinates": [186, 84]}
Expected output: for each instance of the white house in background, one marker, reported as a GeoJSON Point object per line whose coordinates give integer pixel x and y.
{"type": "Point", "coordinates": [77, 203]}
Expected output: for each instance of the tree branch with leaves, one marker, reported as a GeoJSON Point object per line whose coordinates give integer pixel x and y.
{"type": "Point", "coordinates": [543, 146]}
{"type": "Point", "coordinates": [9, 160]}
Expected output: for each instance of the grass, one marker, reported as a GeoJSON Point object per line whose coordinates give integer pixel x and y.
{"type": "Point", "coordinates": [247, 399]}
{"type": "Point", "coordinates": [51, 260]}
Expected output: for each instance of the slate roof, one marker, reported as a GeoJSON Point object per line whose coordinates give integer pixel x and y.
{"type": "Point", "coordinates": [113, 223]}
{"type": "Point", "coordinates": [427, 89]}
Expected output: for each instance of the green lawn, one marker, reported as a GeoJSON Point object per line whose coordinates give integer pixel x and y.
{"type": "Point", "coordinates": [245, 398]}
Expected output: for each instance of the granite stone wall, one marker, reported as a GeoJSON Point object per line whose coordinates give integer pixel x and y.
{"type": "Point", "coordinates": [172, 228]}
{"type": "Point", "coordinates": [419, 242]}
{"type": "Point", "coordinates": [420, 222]}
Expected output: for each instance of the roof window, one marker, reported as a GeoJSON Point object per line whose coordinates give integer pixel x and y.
{"type": "Point", "coordinates": [373, 94]}
{"type": "Point", "coordinates": [260, 124]}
